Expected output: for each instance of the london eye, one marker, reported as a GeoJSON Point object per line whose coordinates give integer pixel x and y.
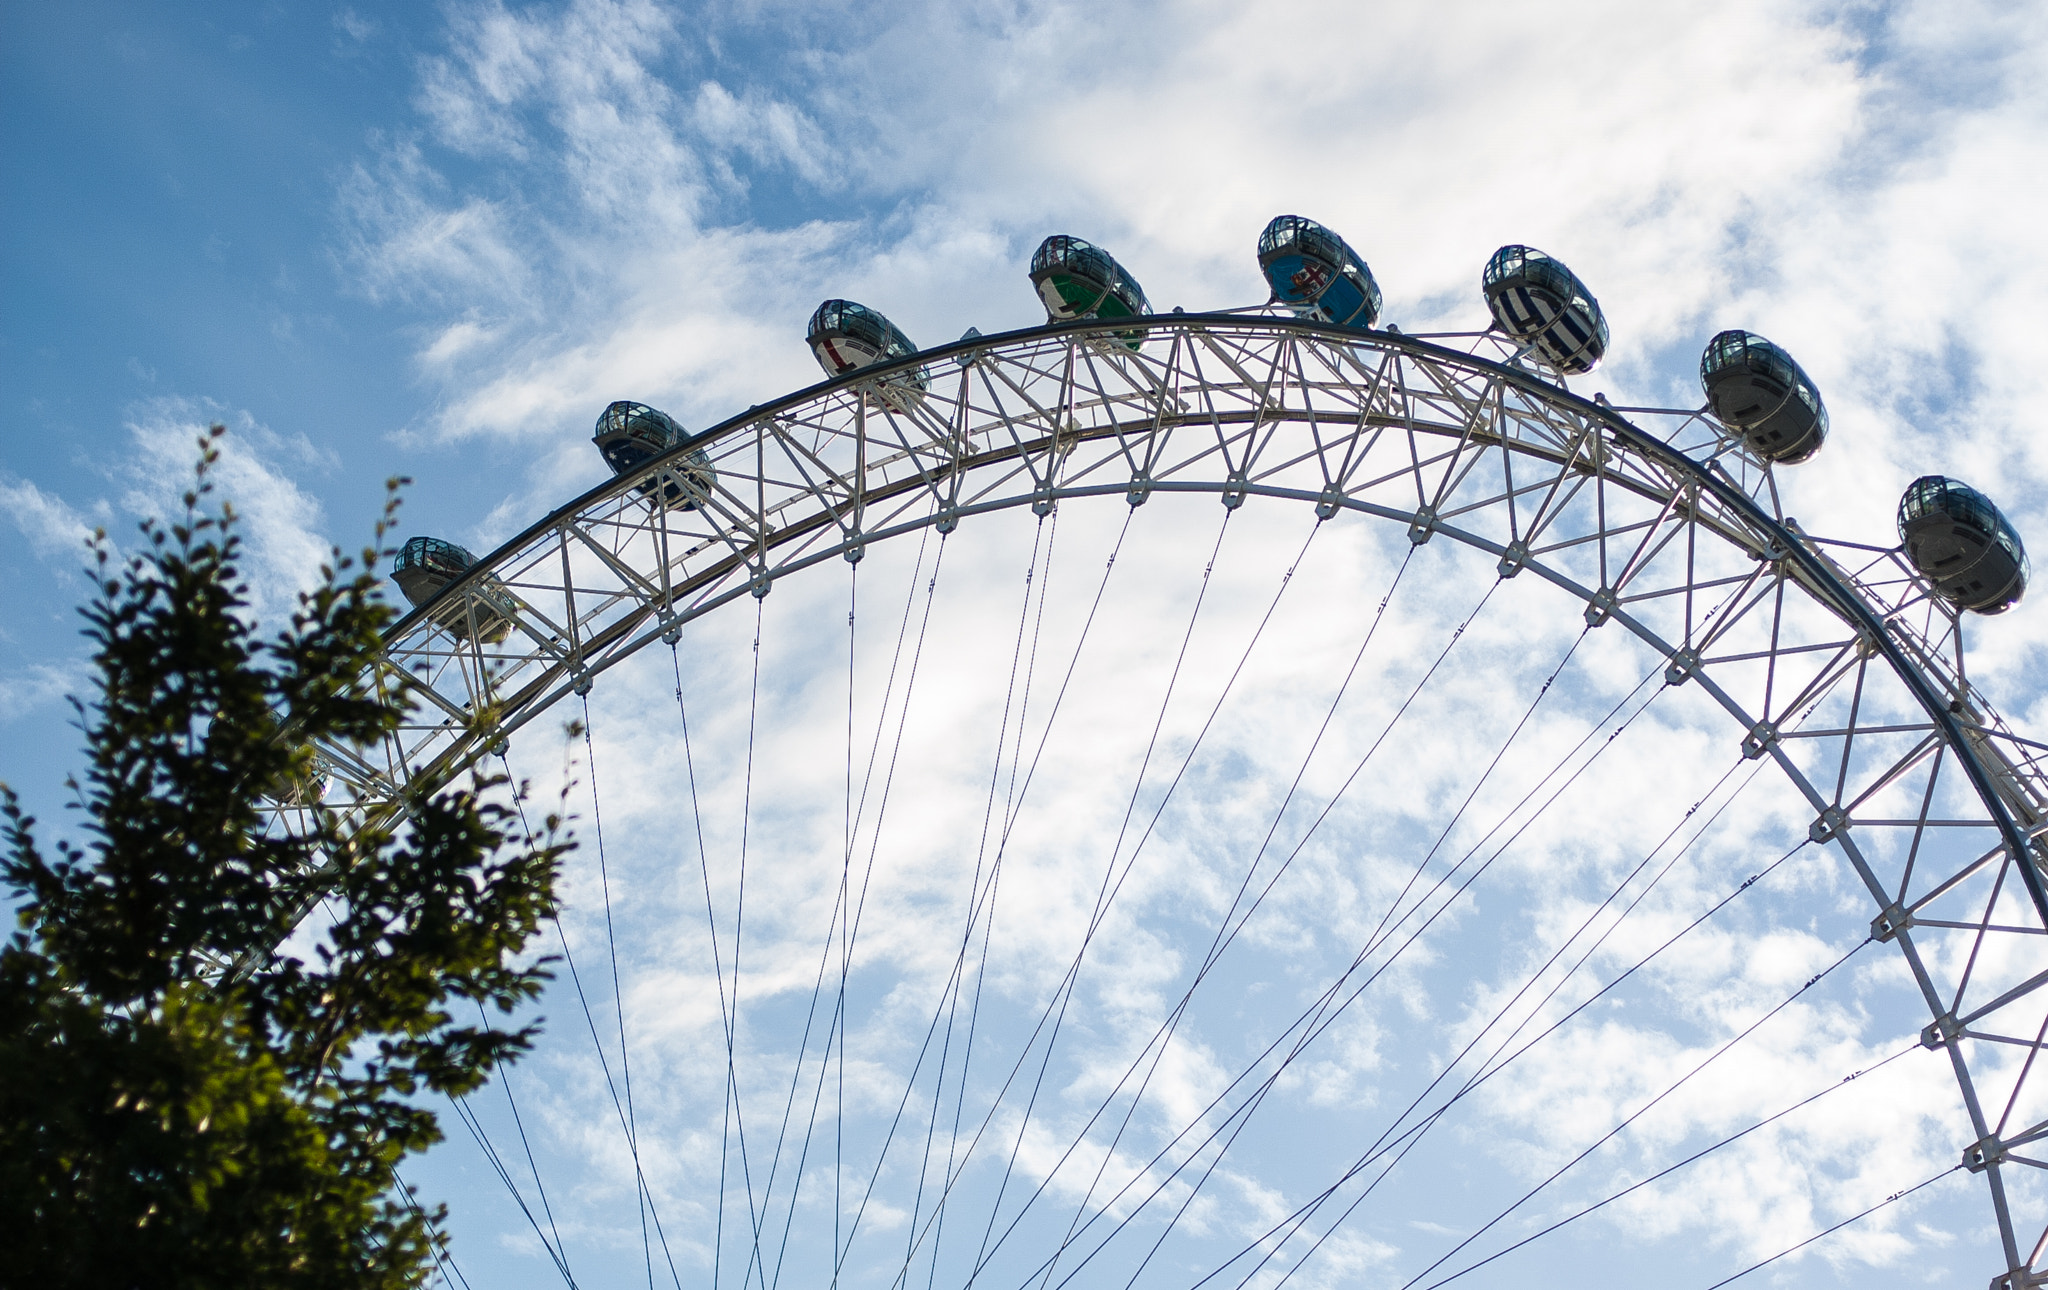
{"type": "Point", "coordinates": [1125, 800]}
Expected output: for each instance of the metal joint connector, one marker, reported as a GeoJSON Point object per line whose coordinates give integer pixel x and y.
{"type": "Point", "coordinates": [1983, 1153]}
{"type": "Point", "coordinates": [1890, 923]}
{"type": "Point", "coordinates": [1760, 740]}
{"type": "Point", "coordinates": [1683, 664]}
{"type": "Point", "coordinates": [1832, 824]}
{"type": "Point", "coordinates": [1140, 490]}
{"type": "Point", "coordinates": [1601, 607]}
{"type": "Point", "coordinates": [1424, 524]}
{"type": "Point", "coordinates": [1512, 559]}
{"type": "Point", "coordinates": [1329, 502]}
{"type": "Point", "coordinates": [1940, 1032]}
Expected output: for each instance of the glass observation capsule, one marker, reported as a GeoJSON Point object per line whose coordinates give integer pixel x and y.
{"type": "Point", "coordinates": [846, 337]}
{"type": "Point", "coordinates": [1755, 389]}
{"type": "Point", "coordinates": [425, 567]}
{"type": "Point", "coordinates": [1076, 279]}
{"type": "Point", "coordinates": [1540, 303]}
{"type": "Point", "coordinates": [632, 434]}
{"type": "Point", "coordinates": [1958, 541]}
{"type": "Point", "coordinates": [1316, 274]}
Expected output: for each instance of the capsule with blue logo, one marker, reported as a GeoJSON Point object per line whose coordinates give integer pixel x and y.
{"type": "Point", "coordinates": [1542, 305]}
{"type": "Point", "coordinates": [632, 434]}
{"type": "Point", "coordinates": [847, 337]}
{"type": "Point", "coordinates": [1963, 544]}
{"type": "Point", "coordinates": [1316, 274]}
{"type": "Point", "coordinates": [1076, 279]}
{"type": "Point", "coordinates": [1755, 389]}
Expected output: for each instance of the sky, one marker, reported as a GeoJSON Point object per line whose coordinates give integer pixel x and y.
{"type": "Point", "coordinates": [434, 241]}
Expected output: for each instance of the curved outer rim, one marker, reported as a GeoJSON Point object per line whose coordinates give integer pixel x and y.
{"type": "Point", "coordinates": [1883, 635]}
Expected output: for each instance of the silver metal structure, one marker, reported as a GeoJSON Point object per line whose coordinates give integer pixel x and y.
{"type": "Point", "coordinates": [1830, 658]}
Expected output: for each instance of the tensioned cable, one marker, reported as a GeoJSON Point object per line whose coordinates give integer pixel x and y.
{"type": "Point", "coordinates": [518, 1122]}
{"type": "Point", "coordinates": [1319, 1015]}
{"type": "Point", "coordinates": [590, 1020]}
{"type": "Point", "coordinates": [1611, 1134]}
{"type": "Point", "coordinates": [468, 1118]}
{"type": "Point", "coordinates": [1409, 1137]}
{"type": "Point", "coordinates": [491, 1156]}
{"type": "Point", "coordinates": [618, 993]}
{"type": "Point", "coordinates": [443, 1259]}
{"type": "Point", "coordinates": [934, 1226]}
{"type": "Point", "coordinates": [796, 1075]}
{"type": "Point", "coordinates": [1412, 1134]}
{"type": "Point", "coordinates": [1894, 1198]}
{"type": "Point", "coordinates": [1107, 894]}
{"type": "Point", "coordinates": [1056, 1007]}
{"type": "Point", "coordinates": [949, 995]}
{"type": "Point", "coordinates": [978, 895]}
{"type": "Point", "coordinates": [888, 782]}
{"type": "Point", "coordinates": [739, 923]}
{"type": "Point", "coordinates": [840, 1019]}
{"type": "Point", "coordinates": [1668, 1170]}
{"type": "Point", "coordinates": [1489, 1070]}
{"type": "Point", "coordinates": [841, 913]}
{"type": "Point", "coordinates": [1216, 945]}
{"type": "Point", "coordinates": [1306, 1017]}
{"type": "Point", "coordinates": [1375, 939]}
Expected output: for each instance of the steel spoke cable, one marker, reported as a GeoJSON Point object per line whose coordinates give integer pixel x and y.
{"type": "Point", "coordinates": [1070, 984]}
{"type": "Point", "coordinates": [732, 1111]}
{"type": "Point", "coordinates": [1412, 1136]}
{"type": "Point", "coordinates": [978, 895]}
{"type": "Point", "coordinates": [483, 1142]}
{"type": "Point", "coordinates": [1108, 894]}
{"type": "Point", "coordinates": [1321, 1014]}
{"type": "Point", "coordinates": [1618, 1129]}
{"type": "Point", "coordinates": [1892, 1199]}
{"type": "Point", "coordinates": [1375, 940]}
{"type": "Point", "coordinates": [1486, 1071]}
{"type": "Point", "coordinates": [850, 929]}
{"type": "Point", "coordinates": [874, 846]}
{"type": "Point", "coordinates": [949, 996]}
{"type": "Point", "coordinates": [1307, 1018]}
{"type": "Point", "coordinates": [845, 944]}
{"type": "Point", "coordinates": [726, 1006]}
{"type": "Point", "coordinates": [956, 1169]}
{"type": "Point", "coordinates": [1668, 1170]}
{"type": "Point", "coordinates": [518, 1122]}
{"type": "Point", "coordinates": [1223, 937]}
{"type": "Point", "coordinates": [1406, 1138]}
{"type": "Point", "coordinates": [840, 908]}
{"type": "Point", "coordinates": [590, 1020]}
{"type": "Point", "coordinates": [618, 993]}
{"type": "Point", "coordinates": [444, 1260]}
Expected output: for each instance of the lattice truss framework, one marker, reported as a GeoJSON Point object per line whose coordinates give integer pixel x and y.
{"type": "Point", "coordinates": [1831, 657]}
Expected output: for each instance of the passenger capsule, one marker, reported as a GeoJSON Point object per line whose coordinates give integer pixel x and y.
{"type": "Point", "coordinates": [1540, 303]}
{"type": "Point", "coordinates": [847, 337]}
{"type": "Point", "coordinates": [1077, 279]}
{"type": "Point", "coordinates": [1958, 541]}
{"type": "Point", "coordinates": [1316, 274]}
{"type": "Point", "coordinates": [424, 569]}
{"type": "Point", "coordinates": [1755, 389]}
{"type": "Point", "coordinates": [632, 434]}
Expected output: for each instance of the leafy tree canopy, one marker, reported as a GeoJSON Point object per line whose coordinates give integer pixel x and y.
{"type": "Point", "coordinates": [182, 1102]}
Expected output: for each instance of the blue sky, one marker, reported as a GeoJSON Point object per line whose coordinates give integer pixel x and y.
{"type": "Point", "coordinates": [435, 241]}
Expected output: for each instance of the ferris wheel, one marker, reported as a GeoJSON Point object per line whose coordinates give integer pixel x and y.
{"type": "Point", "coordinates": [1032, 929]}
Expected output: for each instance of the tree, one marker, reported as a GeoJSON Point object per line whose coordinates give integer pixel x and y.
{"type": "Point", "coordinates": [181, 1103]}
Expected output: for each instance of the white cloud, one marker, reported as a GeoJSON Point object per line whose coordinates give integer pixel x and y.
{"type": "Point", "coordinates": [55, 530]}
